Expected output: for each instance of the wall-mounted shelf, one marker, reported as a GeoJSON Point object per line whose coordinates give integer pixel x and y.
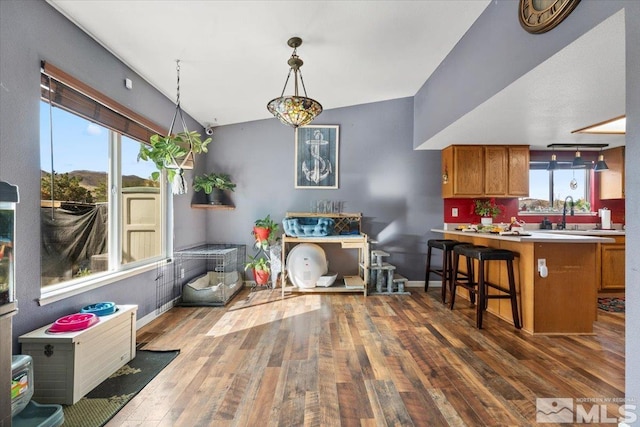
{"type": "Point", "coordinates": [208, 206]}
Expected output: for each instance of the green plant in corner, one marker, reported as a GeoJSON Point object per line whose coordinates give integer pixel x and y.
{"type": "Point", "coordinates": [261, 267]}
{"type": "Point", "coordinates": [208, 182]}
{"type": "Point", "coordinates": [166, 152]}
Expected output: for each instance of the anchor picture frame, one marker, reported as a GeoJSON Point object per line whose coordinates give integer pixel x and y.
{"type": "Point", "coordinates": [316, 157]}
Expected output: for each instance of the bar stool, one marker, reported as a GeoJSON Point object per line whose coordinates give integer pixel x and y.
{"type": "Point", "coordinates": [483, 255]}
{"type": "Point", "coordinates": [446, 246]}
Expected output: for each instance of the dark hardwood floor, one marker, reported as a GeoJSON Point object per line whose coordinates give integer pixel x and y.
{"type": "Point", "coordinates": [346, 360]}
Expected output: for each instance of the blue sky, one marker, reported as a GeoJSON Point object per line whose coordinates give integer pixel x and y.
{"type": "Point", "coordinates": [82, 145]}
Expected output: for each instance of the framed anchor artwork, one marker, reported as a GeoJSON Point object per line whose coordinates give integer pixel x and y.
{"type": "Point", "coordinates": [316, 157]}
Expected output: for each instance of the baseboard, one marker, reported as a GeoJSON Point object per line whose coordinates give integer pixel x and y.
{"type": "Point", "coordinates": [154, 314]}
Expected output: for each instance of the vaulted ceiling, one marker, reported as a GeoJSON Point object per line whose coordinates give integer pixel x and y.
{"type": "Point", "coordinates": [233, 61]}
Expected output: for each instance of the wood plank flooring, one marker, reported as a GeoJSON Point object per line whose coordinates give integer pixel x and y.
{"type": "Point", "coordinates": [347, 360]}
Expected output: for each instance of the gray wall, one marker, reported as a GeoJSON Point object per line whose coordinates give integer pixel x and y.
{"type": "Point", "coordinates": [632, 208]}
{"type": "Point", "coordinates": [31, 31]}
{"type": "Point", "coordinates": [397, 189]}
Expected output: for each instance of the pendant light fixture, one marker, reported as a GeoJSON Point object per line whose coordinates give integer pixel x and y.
{"type": "Point", "coordinates": [294, 110]}
{"type": "Point", "coordinates": [553, 164]}
{"type": "Point", "coordinates": [578, 161]}
{"type": "Point", "coordinates": [600, 164]}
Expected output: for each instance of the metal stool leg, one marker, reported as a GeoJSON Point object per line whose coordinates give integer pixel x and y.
{"type": "Point", "coordinates": [514, 299]}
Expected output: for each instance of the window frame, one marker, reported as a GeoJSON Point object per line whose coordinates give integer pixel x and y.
{"type": "Point", "coordinates": [114, 115]}
{"type": "Point", "coordinates": [562, 165]}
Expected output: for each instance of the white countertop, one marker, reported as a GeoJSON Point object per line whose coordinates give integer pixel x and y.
{"type": "Point", "coordinates": [586, 232]}
{"type": "Point", "coordinates": [548, 236]}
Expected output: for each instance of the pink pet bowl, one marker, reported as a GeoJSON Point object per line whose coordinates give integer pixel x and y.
{"type": "Point", "coordinates": [74, 322]}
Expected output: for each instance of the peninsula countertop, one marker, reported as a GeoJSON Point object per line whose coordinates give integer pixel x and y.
{"type": "Point", "coordinates": [546, 236]}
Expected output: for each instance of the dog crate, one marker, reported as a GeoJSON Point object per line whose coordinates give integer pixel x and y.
{"type": "Point", "coordinates": [210, 274]}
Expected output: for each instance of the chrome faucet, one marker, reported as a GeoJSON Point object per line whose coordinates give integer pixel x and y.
{"type": "Point", "coordinates": [563, 226]}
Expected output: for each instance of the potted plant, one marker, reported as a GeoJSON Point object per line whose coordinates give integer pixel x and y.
{"type": "Point", "coordinates": [213, 185]}
{"type": "Point", "coordinates": [261, 268]}
{"type": "Point", "coordinates": [173, 153]}
{"type": "Point", "coordinates": [264, 230]}
{"type": "Point", "coordinates": [487, 209]}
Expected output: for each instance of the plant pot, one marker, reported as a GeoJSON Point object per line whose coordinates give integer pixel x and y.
{"type": "Point", "coordinates": [261, 233]}
{"type": "Point", "coordinates": [261, 277]}
{"type": "Point", "coordinates": [486, 220]}
{"type": "Point", "coordinates": [215, 197]}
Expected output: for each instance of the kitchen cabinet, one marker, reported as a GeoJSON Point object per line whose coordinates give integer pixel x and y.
{"type": "Point", "coordinates": [485, 171]}
{"type": "Point", "coordinates": [612, 265]}
{"type": "Point", "coordinates": [612, 180]}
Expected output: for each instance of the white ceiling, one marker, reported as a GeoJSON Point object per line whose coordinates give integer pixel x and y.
{"type": "Point", "coordinates": [581, 85]}
{"type": "Point", "coordinates": [233, 61]}
{"type": "Point", "coordinates": [233, 54]}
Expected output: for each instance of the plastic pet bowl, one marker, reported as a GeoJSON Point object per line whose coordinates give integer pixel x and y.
{"type": "Point", "coordinates": [100, 308]}
{"type": "Point", "coordinates": [74, 322]}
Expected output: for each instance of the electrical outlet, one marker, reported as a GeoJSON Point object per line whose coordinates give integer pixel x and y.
{"type": "Point", "coordinates": [182, 273]}
{"type": "Point", "coordinates": [542, 263]}
{"type": "Point", "coordinates": [454, 212]}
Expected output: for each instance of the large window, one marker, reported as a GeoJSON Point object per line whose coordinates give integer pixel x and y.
{"type": "Point", "coordinates": [101, 213]}
{"type": "Point", "coordinates": [549, 190]}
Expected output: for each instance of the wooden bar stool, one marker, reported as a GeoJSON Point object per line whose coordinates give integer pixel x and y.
{"type": "Point", "coordinates": [483, 255]}
{"type": "Point", "coordinates": [446, 246]}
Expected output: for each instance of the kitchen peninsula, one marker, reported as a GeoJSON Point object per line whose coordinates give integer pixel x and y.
{"type": "Point", "coordinates": [563, 302]}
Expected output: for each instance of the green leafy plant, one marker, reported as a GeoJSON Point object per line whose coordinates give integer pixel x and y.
{"type": "Point", "coordinates": [164, 151]}
{"type": "Point", "coordinates": [486, 207]}
{"type": "Point", "coordinates": [208, 182]}
{"type": "Point", "coordinates": [264, 231]}
{"type": "Point", "coordinates": [258, 263]}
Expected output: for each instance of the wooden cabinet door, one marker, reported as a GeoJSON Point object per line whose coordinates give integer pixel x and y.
{"type": "Point", "coordinates": [447, 172]}
{"type": "Point", "coordinates": [612, 180]}
{"type": "Point", "coordinates": [468, 164]}
{"type": "Point", "coordinates": [518, 181]}
{"type": "Point", "coordinates": [613, 266]}
{"type": "Point", "coordinates": [495, 170]}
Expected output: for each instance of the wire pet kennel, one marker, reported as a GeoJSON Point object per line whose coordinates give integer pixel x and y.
{"type": "Point", "coordinates": [210, 274]}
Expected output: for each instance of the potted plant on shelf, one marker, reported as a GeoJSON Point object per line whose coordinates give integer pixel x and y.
{"type": "Point", "coordinates": [261, 267]}
{"type": "Point", "coordinates": [487, 209]}
{"type": "Point", "coordinates": [173, 153]}
{"type": "Point", "coordinates": [213, 185]}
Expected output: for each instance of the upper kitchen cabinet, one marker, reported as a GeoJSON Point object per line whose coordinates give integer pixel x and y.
{"type": "Point", "coordinates": [463, 171]}
{"type": "Point", "coordinates": [491, 171]}
{"type": "Point", "coordinates": [612, 180]}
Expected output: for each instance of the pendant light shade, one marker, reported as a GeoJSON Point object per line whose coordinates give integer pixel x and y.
{"type": "Point", "coordinates": [294, 110]}
{"type": "Point", "coordinates": [600, 164]}
{"type": "Point", "coordinates": [553, 164]}
{"type": "Point", "coordinates": [578, 162]}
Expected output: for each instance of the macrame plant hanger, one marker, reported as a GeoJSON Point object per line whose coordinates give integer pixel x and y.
{"type": "Point", "coordinates": [180, 164]}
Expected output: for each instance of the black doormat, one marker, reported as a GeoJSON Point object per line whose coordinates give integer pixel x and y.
{"type": "Point", "coordinates": [104, 401]}
{"type": "Point", "coordinates": [614, 304]}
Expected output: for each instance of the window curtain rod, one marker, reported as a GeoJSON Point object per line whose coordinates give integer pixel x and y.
{"type": "Point", "coordinates": [81, 101]}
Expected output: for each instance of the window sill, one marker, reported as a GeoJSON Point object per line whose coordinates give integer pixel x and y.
{"type": "Point", "coordinates": [60, 293]}
{"type": "Point", "coordinates": [556, 214]}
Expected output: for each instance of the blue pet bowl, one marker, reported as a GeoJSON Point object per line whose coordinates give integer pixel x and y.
{"type": "Point", "coordinates": [100, 308]}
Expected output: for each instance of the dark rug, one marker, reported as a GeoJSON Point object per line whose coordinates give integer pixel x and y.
{"type": "Point", "coordinates": [104, 401]}
{"type": "Point", "coordinates": [614, 305]}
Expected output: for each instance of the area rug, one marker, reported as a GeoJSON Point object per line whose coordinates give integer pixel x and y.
{"type": "Point", "coordinates": [614, 304]}
{"type": "Point", "coordinates": [104, 401]}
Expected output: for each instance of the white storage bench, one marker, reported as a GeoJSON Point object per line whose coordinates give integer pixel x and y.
{"type": "Point", "coordinates": [69, 365]}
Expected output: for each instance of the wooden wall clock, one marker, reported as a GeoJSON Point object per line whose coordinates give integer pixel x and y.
{"type": "Point", "coordinates": [540, 16]}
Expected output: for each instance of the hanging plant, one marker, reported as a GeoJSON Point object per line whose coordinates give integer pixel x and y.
{"type": "Point", "coordinates": [174, 152]}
